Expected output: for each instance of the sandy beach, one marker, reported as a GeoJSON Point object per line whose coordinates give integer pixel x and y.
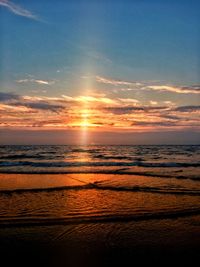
{"type": "Point", "coordinates": [68, 223]}
{"type": "Point", "coordinates": [158, 242]}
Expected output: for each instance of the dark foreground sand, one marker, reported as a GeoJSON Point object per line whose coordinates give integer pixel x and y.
{"type": "Point", "coordinates": [166, 242]}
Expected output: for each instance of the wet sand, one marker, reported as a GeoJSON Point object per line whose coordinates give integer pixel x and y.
{"type": "Point", "coordinates": [98, 220]}
{"type": "Point", "coordinates": [158, 242]}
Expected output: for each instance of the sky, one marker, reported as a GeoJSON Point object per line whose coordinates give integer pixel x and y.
{"type": "Point", "coordinates": [99, 72]}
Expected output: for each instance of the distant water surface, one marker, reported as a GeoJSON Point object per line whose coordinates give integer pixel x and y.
{"type": "Point", "coordinates": [179, 160]}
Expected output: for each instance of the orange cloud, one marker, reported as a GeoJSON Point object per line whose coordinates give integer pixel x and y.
{"type": "Point", "coordinates": [95, 113]}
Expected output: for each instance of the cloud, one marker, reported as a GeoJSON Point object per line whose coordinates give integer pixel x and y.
{"type": "Point", "coordinates": [170, 117]}
{"type": "Point", "coordinates": [174, 89]}
{"type": "Point", "coordinates": [123, 110]}
{"type": "Point", "coordinates": [129, 109]}
{"type": "Point", "coordinates": [169, 103]}
{"type": "Point", "coordinates": [17, 9]}
{"type": "Point", "coordinates": [14, 100]}
{"type": "Point", "coordinates": [73, 112]}
{"type": "Point", "coordinates": [153, 102]}
{"type": "Point", "coordinates": [4, 97]}
{"type": "Point", "coordinates": [114, 82]}
{"type": "Point", "coordinates": [148, 85]}
{"type": "Point", "coordinates": [42, 123]}
{"type": "Point", "coordinates": [40, 105]}
{"type": "Point", "coordinates": [129, 100]}
{"type": "Point", "coordinates": [89, 99]}
{"type": "Point", "coordinates": [153, 123]}
{"type": "Point", "coordinates": [42, 82]}
{"type": "Point", "coordinates": [188, 109]}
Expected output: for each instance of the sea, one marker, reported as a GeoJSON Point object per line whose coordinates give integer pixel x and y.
{"type": "Point", "coordinates": [52, 185]}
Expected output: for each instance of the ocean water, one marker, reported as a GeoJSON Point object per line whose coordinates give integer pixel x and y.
{"type": "Point", "coordinates": [101, 159]}
{"type": "Point", "coordinates": [53, 185]}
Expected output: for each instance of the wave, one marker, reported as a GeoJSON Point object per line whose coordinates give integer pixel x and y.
{"type": "Point", "coordinates": [55, 164]}
{"type": "Point", "coordinates": [100, 156]}
{"type": "Point", "coordinates": [25, 156]}
{"type": "Point", "coordinates": [24, 222]}
{"type": "Point", "coordinates": [168, 164]}
{"type": "Point", "coordinates": [62, 164]}
{"type": "Point", "coordinates": [53, 156]}
{"type": "Point", "coordinates": [121, 171]}
{"type": "Point", "coordinates": [98, 186]}
{"type": "Point", "coordinates": [84, 150]}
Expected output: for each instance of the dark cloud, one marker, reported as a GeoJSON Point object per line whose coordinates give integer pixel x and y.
{"type": "Point", "coordinates": [45, 122]}
{"type": "Point", "coordinates": [188, 108]}
{"type": "Point", "coordinates": [193, 87]}
{"type": "Point", "coordinates": [5, 97]}
{"type": "Point", "coordinates": [17, 100]}
{"type": "Point", "coordinates": [170, 117]}
{"type": "Point", "coordinates": [153, 123]}
{"type": "Point", "coordinates": [40, 105]}
{"type": "Point", "coordinates": [123, 110]}
{"type": "Point", "coordinates": [155, 108]}
{"type": "Point", "coordinates": [129, 109]}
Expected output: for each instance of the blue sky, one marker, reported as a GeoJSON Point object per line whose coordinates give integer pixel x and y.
{"type": "Point", "coordinates": [102, 48]}
{"type": "Point", "coordinates": [142, 40]}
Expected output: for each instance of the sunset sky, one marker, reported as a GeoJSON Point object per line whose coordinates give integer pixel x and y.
{"type": "Point", "coordinates": [94, 72]}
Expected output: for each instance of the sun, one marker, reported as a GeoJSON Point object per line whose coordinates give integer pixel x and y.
{"type": "Point", "coordinates": [85, 122]}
